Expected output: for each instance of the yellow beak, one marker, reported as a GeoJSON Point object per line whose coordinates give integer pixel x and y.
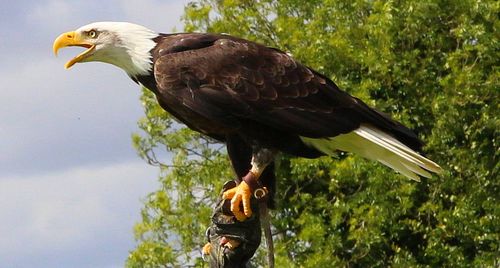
{"type": "Point", "coordinates": [73, 39]}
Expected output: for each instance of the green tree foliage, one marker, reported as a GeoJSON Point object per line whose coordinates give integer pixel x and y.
{"type": "Point", "coordinates": [431, 64]}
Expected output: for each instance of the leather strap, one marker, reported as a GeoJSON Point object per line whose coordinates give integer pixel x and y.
{"type": "Point", "coordinates": [259, 191]}
{"type": "Point", "coordinates": [252, 181]}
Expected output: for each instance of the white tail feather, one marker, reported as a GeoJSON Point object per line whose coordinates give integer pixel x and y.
{"type": "Point", "coordinates": [375, 144]}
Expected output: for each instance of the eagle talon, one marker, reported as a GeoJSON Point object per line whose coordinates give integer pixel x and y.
{"type": "Point", "coordinates": [240, 194]}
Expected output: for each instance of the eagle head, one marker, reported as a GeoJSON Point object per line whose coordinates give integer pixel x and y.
{"type": "Point", "coordinates": [122, 44]}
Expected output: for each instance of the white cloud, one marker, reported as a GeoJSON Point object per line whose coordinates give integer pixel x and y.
{"type": "Point", "coordinates": [51, 13]}
{"type": "Point", "coordinates": [71, 212]}
{"type": "Point", "coordinates": [53, 117]}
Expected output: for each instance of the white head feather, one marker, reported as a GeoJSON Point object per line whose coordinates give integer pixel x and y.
{"type": "Point", "coordinates": [123, 44]}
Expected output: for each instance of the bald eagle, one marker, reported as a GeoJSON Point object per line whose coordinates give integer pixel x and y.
{"type": "Point", "coordinates": [256, 99]}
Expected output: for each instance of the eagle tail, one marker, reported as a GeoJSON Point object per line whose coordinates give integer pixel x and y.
{"type": "Point", "coordinates": [375, 144]}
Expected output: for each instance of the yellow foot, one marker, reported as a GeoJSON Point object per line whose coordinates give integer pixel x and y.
{"type": "Point", "coordinates": [206, 249]}
{"type": "Point", "coordinates": [239, 195]}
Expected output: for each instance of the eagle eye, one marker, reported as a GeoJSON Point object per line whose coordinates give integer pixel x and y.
{"type": "Point", "coordinates": [92, 33]}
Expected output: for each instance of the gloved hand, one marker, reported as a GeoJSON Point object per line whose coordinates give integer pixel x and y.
{"type": "Point", "coordinates": [232, 243]}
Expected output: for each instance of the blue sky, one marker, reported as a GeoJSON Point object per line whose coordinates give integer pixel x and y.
{"type": "Point", "coordinates": [70, 182]}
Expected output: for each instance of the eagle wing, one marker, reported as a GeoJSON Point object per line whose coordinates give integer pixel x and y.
{"type": "Point", "coordinates": [232, 81]}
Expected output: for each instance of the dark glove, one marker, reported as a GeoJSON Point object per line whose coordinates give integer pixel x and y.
{"type": "Point", "coordinates": [232, 243]}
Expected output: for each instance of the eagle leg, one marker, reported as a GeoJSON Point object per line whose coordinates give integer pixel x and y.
{"type": "Point", "coordinates": [250, 185]}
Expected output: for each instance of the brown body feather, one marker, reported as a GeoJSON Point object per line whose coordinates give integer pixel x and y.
{"type": "Point", "coordinates": [222, 85]}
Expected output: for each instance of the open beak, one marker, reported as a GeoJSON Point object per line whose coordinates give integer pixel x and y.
{"type": "Point", "coordinates": [73, 39]}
